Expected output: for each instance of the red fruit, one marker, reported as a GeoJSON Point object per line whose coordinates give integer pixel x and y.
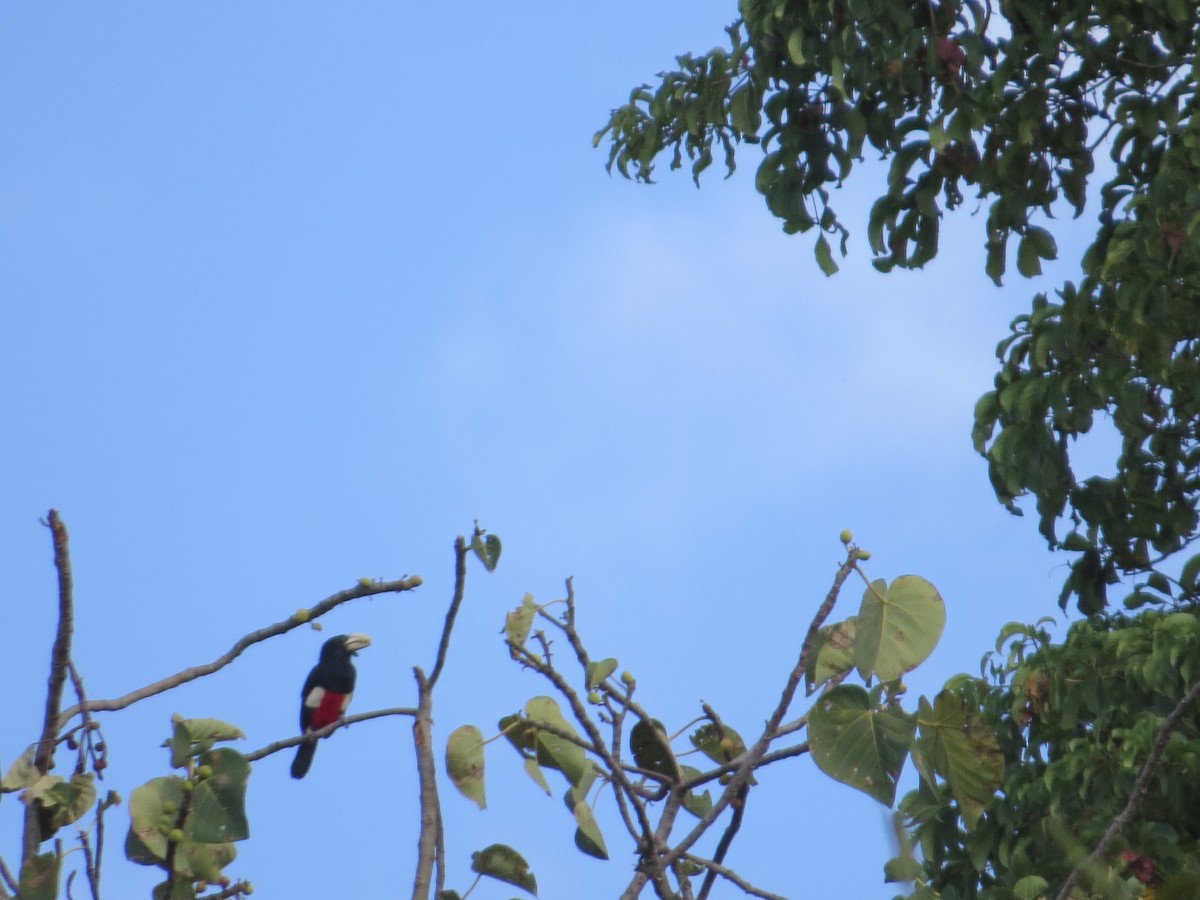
{"type": "Point", "coordinates": [951, 55]}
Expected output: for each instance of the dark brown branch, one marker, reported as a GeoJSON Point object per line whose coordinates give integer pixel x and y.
{"type": "Point", "coordinates": [1137, 795]}
{"type": "Point", "coordinates": [460, 584]}
{"type": "Point", "coordinates": [60, 657]}
{"type": "Point", "coordinates": [362, 589]}
{"type": "Point", "coordinates": [731, 830]}
{"type": "Point", "coordinates": [329, 729]}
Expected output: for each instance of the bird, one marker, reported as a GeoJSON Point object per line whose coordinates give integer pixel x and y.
{"type": "Point", "coordinates": [326, 693]}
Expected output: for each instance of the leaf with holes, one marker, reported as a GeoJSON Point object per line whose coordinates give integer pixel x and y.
{"type": "Point", "coordinates": [859, 744]}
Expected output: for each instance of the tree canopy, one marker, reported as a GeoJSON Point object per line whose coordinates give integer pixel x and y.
{"type": "Point", "coordinates": [1011, 106]}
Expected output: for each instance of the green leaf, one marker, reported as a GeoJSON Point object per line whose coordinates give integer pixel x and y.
{"type": "Point", "coordinates": [519, 622]}
{"type": "Point", "coordinates": [219, 802]}
{"type": "Point", "coordinates": [744, 110]}
{"type": "Point", "coordinates": [994, 267]}
{"type": "Point", "coordinates": [648, 744]}
{"type": "Point", "coordinates": [1042, 242]}
{"type": "Point", "coordinates": [148, 804]}
{"type": "Point", "coordinates": [721, 743]}
{"type": "Point", "coordinates": [559, 753]}
{"type": "Point", "coordinates": [1029, 263]}
{"type": "Point", "coordinates": [487, 549]}
{"type": "Point", "coordinates": [505, 864]}
{"type": "Point", "coordinates": [795, 46]}
{"type": "Point", "coordinates": [835, 653]}
{"type": "Point", "coordinates": [65, 801]}
{"type": "Point", "coordinates": [588, 837]}
{"type": "Point", "coordinates": [825, 256]}
{"type": "Point", "coordinates": [39, 877]}
{"type": "Point", "coordinates": [597, 672]}
{"type": "Point", "coordinates": [465, 763]}
{"type": "Point", "coordinates": [897, 626]}
{"type": "Point", "coordinates": [23, 773]}
{"type": "Point", "coordinates": [534, 771]}
{"type": "Point", "coordinates": [1187, 578]}
{"type": "Point", "coordinates": [1031, 887]}
{"type": "Point", "coordinates": [858, 744]}
{"type": "Point", "coordinates": [697, 804]}
{"type": "Point", "coordinates": [956, 743]}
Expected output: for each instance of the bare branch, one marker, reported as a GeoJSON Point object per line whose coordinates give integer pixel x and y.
{"type": "Point", "coordinates": [1137, 795]}
{"type": "Point", "coordinates": [460, 584]}
{"type": "Point", "coordinates": [362, 589]}
{"type": "Point", "coordinates": [753, 757]}
{"type": "Point", "coordinates": [237, 889]}
{"type": "Point", "coordinates": [431, 811]}
{"type": "Point", "coordinates": [8, 879]}
{"type": "Point", "coordinates": [328, 730]}
{"type": "Point", "coordinates": [60, 657]}
{"type": "Point", "coordinates": [732, 877]}
{"type": "Point", "coordinates": [431, 843]}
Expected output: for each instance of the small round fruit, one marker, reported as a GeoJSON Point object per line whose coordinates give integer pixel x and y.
{"type": "Point", "coordinates": [864, 554]}
{"type": "Point", "coordinates": [302, 616]}
{"type": "Point", "coordinates": [205, 772]}
{"type": "Point", "coordinates": [847, 535]}
{"type": "Point", "coordinates": [594, 698]}
{"type": "Point", "coordinates": [627, 677]}
{"type": "Point", "coordinates": [176, 835]}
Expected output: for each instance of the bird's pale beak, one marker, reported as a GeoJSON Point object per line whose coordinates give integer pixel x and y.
{"type": "Point", "coordinates": [356, 642]}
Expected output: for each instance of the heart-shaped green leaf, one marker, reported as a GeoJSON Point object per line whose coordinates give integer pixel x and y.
{"type": "Point", "coordinates": [858, 744]}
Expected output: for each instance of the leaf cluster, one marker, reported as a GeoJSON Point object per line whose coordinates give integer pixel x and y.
{"type": "Point", "coordinates": [1075, 723]}
{"type": "Point", "coordinates": [1010, 104]}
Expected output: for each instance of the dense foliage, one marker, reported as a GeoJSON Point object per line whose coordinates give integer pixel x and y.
{"type": "Point", "coordinates": [1076, 722]}
{"type": "Point", "coordinates": [1011, 105]}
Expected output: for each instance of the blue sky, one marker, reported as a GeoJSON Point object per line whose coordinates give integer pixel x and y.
{"type": "Point", "coordinates": [293, 293]}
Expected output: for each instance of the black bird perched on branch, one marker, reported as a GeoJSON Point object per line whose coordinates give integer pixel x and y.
{"type": "Point", "coordinates": [326, 693]}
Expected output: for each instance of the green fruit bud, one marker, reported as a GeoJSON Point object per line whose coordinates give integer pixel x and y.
{"type": "Point", "coordinates": [301, 616]}
{"type": "Point", "coordinates": [847, 535]}
{"type": "Point", "coordinates": [170, 807]}
{"type": "Point", "coordinates": [863, 554]}
{"type": "Point", "coordinates": [204, 772]}
{"type": "Point", "coordinates": [627, 677]}
{"type": "Point", "coordinates": [595, 698]}
{"type": "Point", "coordinates": [176, 835]}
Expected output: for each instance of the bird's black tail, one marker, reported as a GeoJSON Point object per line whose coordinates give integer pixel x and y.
{"type": "Point", "coordinates": [304, 758]}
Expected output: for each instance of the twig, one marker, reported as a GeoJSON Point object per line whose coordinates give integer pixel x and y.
{"type": "Point", "coordinates": [460, 583]}
{"type": "Point", "coordinates": [363, 589]}
{"type": "Point", "coordinates": [732, 877]}
{"type": "Point", "coordinates": [735, 823]}
{"type": "Point", "coordinates": [1138, 794]}
{"type": "Point", "coordinates": [431, 850]}
{"type": "Point", "coordinates": [60, 657]}
{"type": "Point", "coordinates": [91, 867]}
{"type": "Point", "coordinates": [237, 889]}
{"type": "Point", "coordinates": [327, 730]}
{"type": "Point", "coordinates": [753, 757]}
{"type": "Point", "coordinates": [8, 877]}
